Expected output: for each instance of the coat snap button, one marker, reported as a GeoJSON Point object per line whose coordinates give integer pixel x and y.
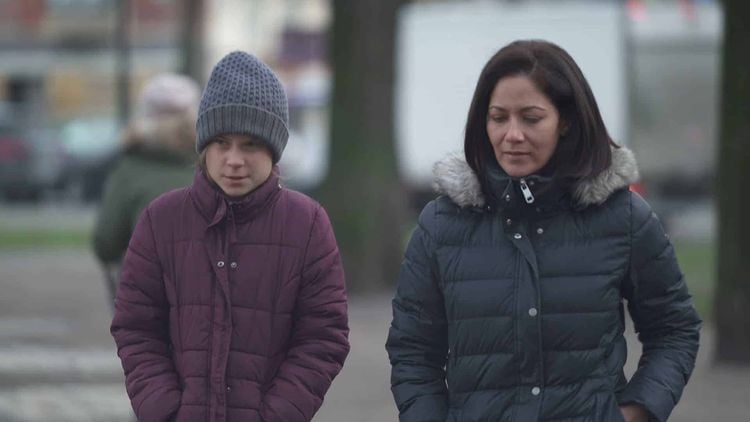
{"type": "Point", "coordinates": [507, 198]}
{"type": "Point", "coordinates": [233, 265]}
{"type": "Point", "coordinates": [536, 390]}
{"type": "Point", "coordinates": [533, 312]}
{"type": "Point", "coordinates": [517, 236]}
{"type": "Point", "coordinates": [220, 264]}
{"type": "Point", "coordinates": [540, 230]}
{"type": "Point", "coordinates": [508, 222]}
{"type": "Point", "coordinates": [229, 389]}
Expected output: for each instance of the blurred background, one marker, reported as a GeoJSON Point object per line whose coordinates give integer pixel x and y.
{"type": "Point", "coordinates": [378, 91]}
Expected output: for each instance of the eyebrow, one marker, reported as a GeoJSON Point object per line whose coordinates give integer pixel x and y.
{"type": "Point", "coordinates": [527, 108]}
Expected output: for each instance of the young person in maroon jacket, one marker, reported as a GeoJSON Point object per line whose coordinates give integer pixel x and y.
{"type": "Point", "coordinates": [232, 301]}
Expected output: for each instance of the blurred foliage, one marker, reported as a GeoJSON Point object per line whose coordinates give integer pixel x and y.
{"type": "Point", "coordinates": [697, 260]}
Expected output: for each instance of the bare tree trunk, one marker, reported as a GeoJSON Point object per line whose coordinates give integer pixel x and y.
{"type": "Point", "coordinates": [122, 61]}
{"type": "Point", "coordinates": [363, 195]}
{"type": "Point", "coordinates": [191, 39]}
{"type": "Point", "coordinates": [733, 290]}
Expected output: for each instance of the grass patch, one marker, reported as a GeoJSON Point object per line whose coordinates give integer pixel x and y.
{"type": "Point", "coordinates": [697, 260]}
{"type": "Point", "coordinates": [27, 238]}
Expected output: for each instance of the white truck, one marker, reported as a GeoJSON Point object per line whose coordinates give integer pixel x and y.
{"type": "Point", "coordinates": [442, 47]}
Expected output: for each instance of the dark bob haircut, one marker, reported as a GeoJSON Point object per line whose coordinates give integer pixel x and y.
{"type": "Point", "coordinates": [584, 151]}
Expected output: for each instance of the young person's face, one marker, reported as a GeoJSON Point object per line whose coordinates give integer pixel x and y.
{"type": "Point", "coordinates": [238, 163]}
{"type": "Point", "coordinates": [523, 126]}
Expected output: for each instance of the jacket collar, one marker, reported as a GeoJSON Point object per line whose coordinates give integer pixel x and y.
{"type": "Point", "coordinates": [215, 206]}
{"type": "Point", "coordinates": [455, 179]}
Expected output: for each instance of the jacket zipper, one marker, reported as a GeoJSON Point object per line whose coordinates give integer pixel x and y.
{"type": "Point", "coordinates": [526, 192]}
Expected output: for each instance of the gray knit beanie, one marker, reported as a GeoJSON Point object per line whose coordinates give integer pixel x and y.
{"type": "Point", "coordinates": [244, 96]}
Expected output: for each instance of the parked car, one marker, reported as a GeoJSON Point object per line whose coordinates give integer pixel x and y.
{"type": "Point", "coordinates": [30, 159]}
{"type": "Point", "coordinates": [14, 157]}
{"type": "Point", "coordinates": [90, 146]}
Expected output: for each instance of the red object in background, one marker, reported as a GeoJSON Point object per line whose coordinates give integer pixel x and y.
{"type": "Point", "coordinates": [156, 11]}
{"type": "Point", "coordinates": [687, 7]}
{"type": "Point", "coordinates": [638, 188]}
{"type": "Point", "coordinates": [636, 9]}
{"type": "Point", "coordinates": [12, 149]}
{"type": "Point", "coordinates": [24, 15]}
{"type": "Point", "coordinates": [32, 11]}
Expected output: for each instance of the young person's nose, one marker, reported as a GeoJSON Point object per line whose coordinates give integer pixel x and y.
{"type": "Point", "coordinates": [234, 157]}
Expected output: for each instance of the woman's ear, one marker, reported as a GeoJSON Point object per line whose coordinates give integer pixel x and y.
{"type": "Point", "coordinates": [563, 128]}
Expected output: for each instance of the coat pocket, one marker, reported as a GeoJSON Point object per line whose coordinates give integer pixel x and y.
{"type": "Point", "coordinates": [607, 409]}
{"type": "Point", "coordinates": [454, 415]}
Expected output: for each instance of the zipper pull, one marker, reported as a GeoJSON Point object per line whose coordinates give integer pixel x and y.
{"type": "Point", "coordinates": [526, 192]}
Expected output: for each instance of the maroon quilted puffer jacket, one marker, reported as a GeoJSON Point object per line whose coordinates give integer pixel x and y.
{"type": "Point", "coordinates": [231, 311]}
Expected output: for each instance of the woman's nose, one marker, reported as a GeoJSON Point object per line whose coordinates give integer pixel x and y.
{"type": "Point", "coordinates": [514, 133]}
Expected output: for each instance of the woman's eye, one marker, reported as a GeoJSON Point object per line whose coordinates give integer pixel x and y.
{"type": "Point", "coordinates": [498, 119]}
{"type": "Point", "coordinates": [532, 119]}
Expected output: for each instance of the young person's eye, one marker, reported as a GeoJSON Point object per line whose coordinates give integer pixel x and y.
{"type": "Point", "coordinates": [249, 145]}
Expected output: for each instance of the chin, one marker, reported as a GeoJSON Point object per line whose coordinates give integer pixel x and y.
{"type": "Point", "coordinates": [236, 192]}
{"type": "Point", "coordinates": [517, 171]}
{"type": "Point", "coordinates": [515, 167]}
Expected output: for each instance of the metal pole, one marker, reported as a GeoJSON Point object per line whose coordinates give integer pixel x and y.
{"type": "Point", "coordinates": [192, 39]}
{"type": "Point", "coordinates": [122, 60]}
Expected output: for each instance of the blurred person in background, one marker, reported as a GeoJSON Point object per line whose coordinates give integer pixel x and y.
{"type": "Point", "coordinates": [232, 300]}
{"type": "Point", "coordinates": [509, 303]}
{"type": "Point", "coordinates": [158, 155]}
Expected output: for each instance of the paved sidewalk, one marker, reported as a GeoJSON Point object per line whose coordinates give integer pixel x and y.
{"type": "Point", "coordinates": [48, 215]}
{"type": "Point", "coordinates": [361, 393]}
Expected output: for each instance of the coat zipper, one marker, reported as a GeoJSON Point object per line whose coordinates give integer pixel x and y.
{"type": "Point", "coordinates": [526, 192]}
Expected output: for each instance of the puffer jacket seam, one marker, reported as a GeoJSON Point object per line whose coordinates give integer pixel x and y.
{"type": "Point", "coordinates": [435, 246]}
{"type": "Point", "coordinates": [209, 403]}
{"type": "Point", "coordinates": [582, 380]}
{"type": "Point", "coordinates": [277, 288]}
{"type": "Point", "coordinates": [471, 355]}
{"type": "Point", "coordinates": [309, 239]}
{"type": "Point", "coordinates": [631, 277]}
{"type": "Point", "coordinates": [472, 318]}
{"type": "Point", "coordinates": [516, 321]}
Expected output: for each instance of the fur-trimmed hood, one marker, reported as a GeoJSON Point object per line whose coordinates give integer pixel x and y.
{"type": "Point", "coordinates": [455, 179]}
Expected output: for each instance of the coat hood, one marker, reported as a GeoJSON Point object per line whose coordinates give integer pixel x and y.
{"type": "Point", "coordinates": [455, 179]}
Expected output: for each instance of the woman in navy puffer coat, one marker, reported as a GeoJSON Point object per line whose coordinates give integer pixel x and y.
{"type": "Point", "coordinates": [509, 304]}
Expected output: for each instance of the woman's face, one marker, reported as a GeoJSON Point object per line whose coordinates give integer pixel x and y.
{"type": "Point", "coordinates": [238, 163]}
{"type": "Point", "coordinates": [523, 126]}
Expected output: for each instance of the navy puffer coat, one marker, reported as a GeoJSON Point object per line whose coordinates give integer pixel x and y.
{"type": "Point", "coordinates": [515, 312]}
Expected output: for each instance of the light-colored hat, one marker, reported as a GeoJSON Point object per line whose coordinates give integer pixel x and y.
{"type": "Point", "coordinates": [168, 93]}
